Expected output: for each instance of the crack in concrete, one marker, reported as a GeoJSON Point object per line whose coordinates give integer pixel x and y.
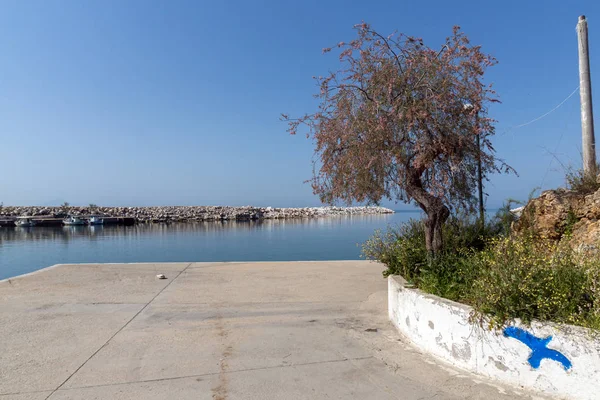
{"type": "Point", "coordinates": [210, 374]}
{"type": "Point", "coordinates": [219, 392]}
{"type": "Point", "coordinates": [118, 331]}
{"type": "Point", "coordinates": [28, 392]}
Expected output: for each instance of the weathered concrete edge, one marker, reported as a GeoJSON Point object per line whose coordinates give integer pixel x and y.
{"type": "Point", "coordinates": [195, 264]}
{"type": "Point", "coordinates": [442, 328]}
{"type": "Point", "coordinates": [38, 271]}
{"type": "Point", "coordinates": [31, 273]}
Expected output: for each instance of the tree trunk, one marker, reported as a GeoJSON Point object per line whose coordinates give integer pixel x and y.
{"type": "Point", "coordinates": [436, 211]}
{"type": "Point", "coordinates": [436, 216]}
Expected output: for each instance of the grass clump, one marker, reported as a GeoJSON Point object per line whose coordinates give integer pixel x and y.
{"type": "Point", "coordinates": [502, 276]}
{"type": "Point", "coordinates": [578, 181]}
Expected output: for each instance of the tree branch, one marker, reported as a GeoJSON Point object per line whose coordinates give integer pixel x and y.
{"type": "Point", "coordinates": [424, 73]}
{"type": "Point", "coordinates": [363, 91]}
{"type": "Point", "coordinates": [389, 48]}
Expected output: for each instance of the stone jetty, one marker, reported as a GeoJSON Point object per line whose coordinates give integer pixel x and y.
{"type": "Point", "coordinates": [192, 213]}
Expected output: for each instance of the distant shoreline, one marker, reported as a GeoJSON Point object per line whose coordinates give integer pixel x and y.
{"type": "Point", "coordinates": [158, 214]}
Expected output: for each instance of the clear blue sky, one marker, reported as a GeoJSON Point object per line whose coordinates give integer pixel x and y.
{"type": "Point", "coordinates": [178, 102]}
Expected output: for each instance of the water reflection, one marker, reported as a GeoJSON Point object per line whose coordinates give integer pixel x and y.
{"type": "Point", "coordinates": [67, 233]}
{"type": "Point", "coordinates": [23, 250]}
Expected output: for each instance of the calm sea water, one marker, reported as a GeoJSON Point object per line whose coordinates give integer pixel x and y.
{"type": "Point", "coordinates": [24, 250]}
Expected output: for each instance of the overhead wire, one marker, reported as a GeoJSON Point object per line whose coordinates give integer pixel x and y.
{"type": "Point", "coordinates": [539, 118]}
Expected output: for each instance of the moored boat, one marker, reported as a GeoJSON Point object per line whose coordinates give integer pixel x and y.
{"type": "Point", "coordinates": [95, 220]}
{"type": "Point", "coordinates": [71, 220]}
{"type": "Point", "coordinates": [24, 222]}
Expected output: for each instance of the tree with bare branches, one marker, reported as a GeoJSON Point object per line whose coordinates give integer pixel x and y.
{"type": "Point", "coordinates": [399, 121]}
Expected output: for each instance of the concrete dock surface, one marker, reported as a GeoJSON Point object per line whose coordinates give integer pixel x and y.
{"type": "Point", "coordinates": [264, 330]}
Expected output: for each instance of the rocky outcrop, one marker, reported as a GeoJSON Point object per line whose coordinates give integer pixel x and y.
{"type": "Point", "coordinates": [547, 216]}
{"type": "Point", "coordinates": [586, 235]}
{"type": "Point", "coordinates": [194, 213]}
{"type": "Point", "coordinates": [564, 215]}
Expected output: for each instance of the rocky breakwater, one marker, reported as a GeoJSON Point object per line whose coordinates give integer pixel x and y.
{"type": "Point", "coordinates": [194, 213]}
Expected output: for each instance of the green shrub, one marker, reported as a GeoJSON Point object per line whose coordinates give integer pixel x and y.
{"type": "Point", "coordinates": [527, 278]}
{"type": "Point", "coordinates": [450, 273]}
{"type": "Point", "coordinates": [502, 276]}
{"type": "Point", "coordinates": [501, 224]}
{"type": "Point", "coordinates": [402, 250]}
{"type": "Point", "coordinates": [570, 222]}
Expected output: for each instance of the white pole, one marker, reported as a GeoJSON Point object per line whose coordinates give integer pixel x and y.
{"type": "Point", "coordinates": [588, 141]}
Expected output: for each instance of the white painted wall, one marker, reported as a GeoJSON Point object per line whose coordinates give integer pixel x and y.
{"type": "Point", "coordinates": [442, 328]}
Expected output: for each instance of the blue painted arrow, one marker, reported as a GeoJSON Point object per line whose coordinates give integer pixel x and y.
{"type": "Point", "coordinates": [538, 346]}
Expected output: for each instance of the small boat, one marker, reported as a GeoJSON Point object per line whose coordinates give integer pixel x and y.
{"type": "Point", "coordinates": [71, 220]}
{"type": "Point", "coordinates": [95, 220]}
{"type": "Point", "coordinates": [25, 222]}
